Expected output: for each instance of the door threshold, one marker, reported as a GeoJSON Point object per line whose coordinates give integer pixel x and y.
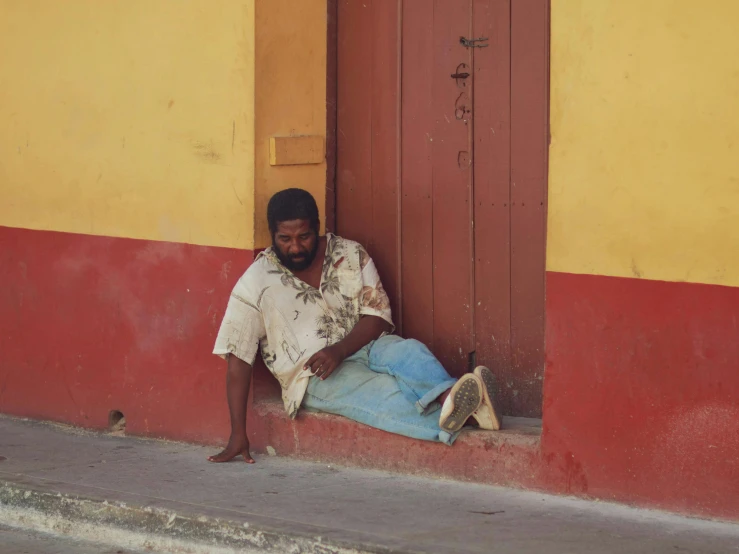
{"type": "Point", "coordinates": [510, 457]}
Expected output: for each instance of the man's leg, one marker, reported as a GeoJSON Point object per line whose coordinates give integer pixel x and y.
{"type": "Point", "coordinates": [420, 376]}
{"type": "Point", "coordinates": [375, 399]}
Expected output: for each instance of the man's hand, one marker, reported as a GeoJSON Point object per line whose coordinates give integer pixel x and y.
{"type": "Point", "coordinates": [324, 362]}
{"type": "Point", "coordinates": [237, 444]}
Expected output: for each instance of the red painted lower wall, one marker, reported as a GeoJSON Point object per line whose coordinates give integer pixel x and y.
{"type": "Point", "coordinates": [641, 399]}
{"type": "Point", "coordinates": [91, 324]}
{"type": "Point", "coordinates": [641, 390]}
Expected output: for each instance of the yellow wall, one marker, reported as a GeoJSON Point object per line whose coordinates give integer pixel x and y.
{"type": "Point", "coordinates": [137, 118]}
{"type": "Point", "coordinates": [644, 167]}
{"type": "Point", "coordinates": [128, 118]}
{"type": "Point", "coordinates": [290, 96]}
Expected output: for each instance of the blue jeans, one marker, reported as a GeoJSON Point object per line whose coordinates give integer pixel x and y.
{"type": "Point", "coordinates": [391, 384]}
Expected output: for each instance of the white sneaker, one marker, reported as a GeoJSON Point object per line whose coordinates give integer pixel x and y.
{"type": "Point", "coordinates": [464, 398]}
{"type": "Point", "coordinates": [487, 415]}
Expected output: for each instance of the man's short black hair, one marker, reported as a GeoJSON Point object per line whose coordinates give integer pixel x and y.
{"type": "Point", "coordinates": [290, 204]}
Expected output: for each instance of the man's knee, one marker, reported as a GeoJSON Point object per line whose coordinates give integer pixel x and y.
{"type": "Point", "coordinates": [413, 346]}
{"type": "Point", "coordinates": [393, 349]}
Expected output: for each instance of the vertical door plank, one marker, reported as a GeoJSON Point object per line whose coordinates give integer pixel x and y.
{"type": "Point", "coordinates": [529, 148]}
{"type": "Point", "coordinates": [491, 19]}
{"type": "Point", "coordinates": [453, 256]}
{"type": "Point", "coordinates": [416, 170]}
{"type": "Point", "coordinates": [354, 120]}
{"type": "Point", "coordinates": [383, 244]}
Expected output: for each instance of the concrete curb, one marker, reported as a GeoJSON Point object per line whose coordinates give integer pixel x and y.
{"type": "Point", "coordinates": [158, 529]}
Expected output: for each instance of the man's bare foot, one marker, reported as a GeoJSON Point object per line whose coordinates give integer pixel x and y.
{"type": "Point", "coordinates": [237, 446]}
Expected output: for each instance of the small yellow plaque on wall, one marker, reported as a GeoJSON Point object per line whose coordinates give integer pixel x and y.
{"type": "Point", "coordinates": [296, 150]}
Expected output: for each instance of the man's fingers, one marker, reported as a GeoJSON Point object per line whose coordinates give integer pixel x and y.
{"type": "Point", "coordinates": [311, 361]}
{"type": "Point", "coordinates": [330, 367]}
{"type": "Point", "coordinates": [321, 364]}
{"type": "Point", "coordinates": [323, 369]}
{"type": "Point", "coordinates": [315, 363]}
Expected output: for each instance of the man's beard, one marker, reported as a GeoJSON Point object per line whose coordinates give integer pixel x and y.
{"type": "Point", "coordinates": [289, 262]}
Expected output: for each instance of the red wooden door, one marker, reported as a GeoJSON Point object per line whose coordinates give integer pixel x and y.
{"type": "Point", "coordinates": [436, 189]}
{"type": "Point", "coordinates": [426, 148]}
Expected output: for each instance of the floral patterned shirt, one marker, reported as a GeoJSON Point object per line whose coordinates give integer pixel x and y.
{"type": "Point", "coordinates": [289, 320]}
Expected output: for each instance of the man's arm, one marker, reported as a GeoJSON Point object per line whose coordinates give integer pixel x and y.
{"type": "Point", "coordinates": [368, 328]}
{"type": "Point", "coordinates": [238, 380]}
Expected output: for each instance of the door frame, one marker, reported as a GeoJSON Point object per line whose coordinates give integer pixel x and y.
{"type": "Point", "coordinates": [332, 80]}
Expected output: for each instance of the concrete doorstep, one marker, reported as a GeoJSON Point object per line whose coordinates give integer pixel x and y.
{"type": "Point", "coordinates": [162, 496]}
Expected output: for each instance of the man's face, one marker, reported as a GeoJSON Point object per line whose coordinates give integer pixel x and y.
{"type": "Point", "coordinates": [295, 244]}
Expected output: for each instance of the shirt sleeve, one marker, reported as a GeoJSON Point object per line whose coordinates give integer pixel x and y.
{"type": "Point", "coordinates": [241, 329]}
{"type": "Point", "coordinates": [373, 300]}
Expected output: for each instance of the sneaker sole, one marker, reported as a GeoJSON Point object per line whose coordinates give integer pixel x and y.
{"type": "Point", "coordinates": [488, 419]}
{"type": "Point", "coordinates": [465, 400]}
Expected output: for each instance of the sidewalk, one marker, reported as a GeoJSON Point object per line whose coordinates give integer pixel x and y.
{"type": "Point", "coordinates": [141, 494]}
{"type": "Point", "coordinates": [15, 540]}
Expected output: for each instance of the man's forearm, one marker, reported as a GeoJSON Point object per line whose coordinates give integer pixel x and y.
{"type": "Point", "coordinates": [238, 381]}
{"type": "Point", "coordinates": [368, 328]}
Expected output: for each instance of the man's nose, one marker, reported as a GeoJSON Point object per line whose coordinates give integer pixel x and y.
{"type": "Point", "coordinates": [294, 248]}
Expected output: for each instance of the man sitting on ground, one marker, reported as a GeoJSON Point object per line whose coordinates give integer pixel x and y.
{"type": "Point", "coordinates": [315, 307]}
